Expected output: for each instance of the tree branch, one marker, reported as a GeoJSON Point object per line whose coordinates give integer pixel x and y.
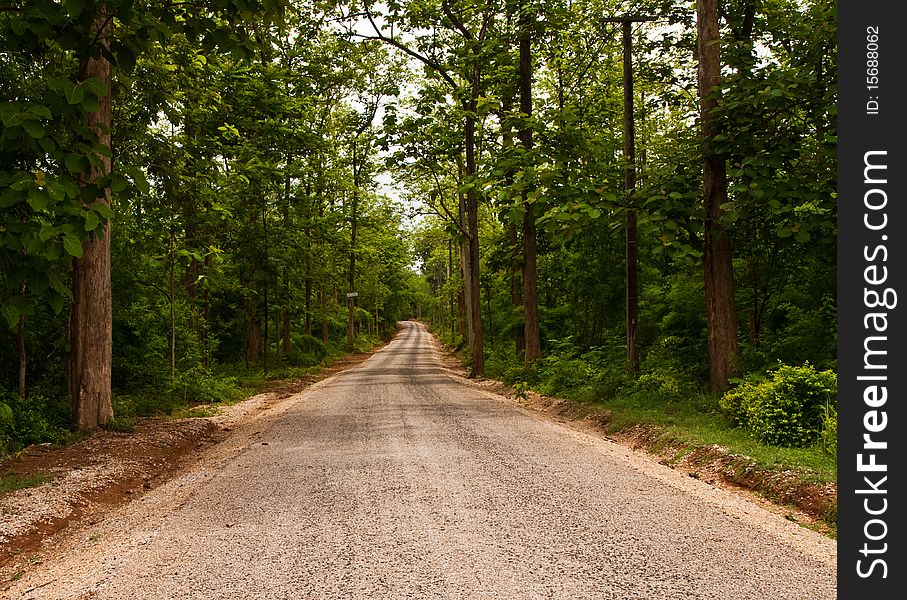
{"type": "Point", "coordinates": [379, 35]}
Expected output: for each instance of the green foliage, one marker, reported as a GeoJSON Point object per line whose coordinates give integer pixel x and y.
{"type": "Point", "coordinates": [306, 351]}
{"type": "Point", "coordinates": [34, 420]}
{"type": "Point", "coordinates": [788, 408]}
{"type": "Point", "coordinates": [199, 386]}
{"type": "Point", "coordinates": [829, 431]}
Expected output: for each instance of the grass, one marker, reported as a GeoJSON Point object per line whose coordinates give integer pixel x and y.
{"type": "Point", "coordinates": [695, 423]}
{"type": "Point", "coordinates": [11, 483]}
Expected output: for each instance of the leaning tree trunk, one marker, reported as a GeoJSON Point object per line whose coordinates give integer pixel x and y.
{"type": "Point", "coordinates": [721, 313]}
{"type": "Point", "coordinates": [91, 314]}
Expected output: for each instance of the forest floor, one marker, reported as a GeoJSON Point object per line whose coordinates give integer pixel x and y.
{"type": "Point", "coordinates": [63, 486]}
{"type": "Point", "coordinates": [79, 484]}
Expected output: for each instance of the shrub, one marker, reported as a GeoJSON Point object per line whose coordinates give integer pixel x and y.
{"type": "Point", "coordinates": [735, 403]}
{"type": "Point", "coordinates": [829, 435]}
{"type": "Point", "coordinates": [787, 409]}
{"type": "Point", "coordinates": [198, 386]}
{"type": "Point", "coordinates": [306, 351]}
{"type": "Point", "coordinates": [32, 420]}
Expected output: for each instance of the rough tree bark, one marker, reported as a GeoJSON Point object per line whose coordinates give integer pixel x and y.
{"type": "Point", "coordinates": [721, 313]}
{"type": "Point", "coordinates": [90, 320]}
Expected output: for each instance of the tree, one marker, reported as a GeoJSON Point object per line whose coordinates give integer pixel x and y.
{"type": "Point", "coordinates": [721, 311]}
{"type": "Point", "coordinates": [91, 316]}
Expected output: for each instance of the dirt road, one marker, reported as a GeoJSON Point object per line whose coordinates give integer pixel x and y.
{"type": "Point", "coordinates": [398, 479]}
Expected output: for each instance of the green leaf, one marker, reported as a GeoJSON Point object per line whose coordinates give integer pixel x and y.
{"type": "Point", "coordinates": [75, 94]}
{"type": "Point", "coordinates": [38, 283]}
{"type": "Point", "coordinates": [90, 104]}
{"type": "Point", "coordinates": [38, 199]}
{"type": "Point", "coordinates": [125, 58]}
{"type": "Point", "coordinates": [6, 414]}
{"type": "Point", "coordinates": [57, 284]}
{"type": "Point", "coordinates": [104, 210]}
{"type": "Point", "coordinates": [92, 220]}
{"type": "Point", "coordinates": [102, 150]}
{"type": "Point", "coordinates": [47, 231]}
{"type": "Point", "coordinates": [74, 7]}
{"type": "Point", "coordinates": [56, 303]}
{"type": "Point", "coordinates": [74, 163]}
{"type": "Point", "coordinates": [73, 245]}
{"type": "Point", "coordinates": [35, 130]}
{"type": "Point", "coordinates": [10, 313]}
{"type": "Point", "coordinates": [118, 183]}
{"type": "Point", "coordinates": [47, 144]}
{"type": "Point", "coordinates": [55, 191]}
{"type": "Point", "coordinates": [95, 86]}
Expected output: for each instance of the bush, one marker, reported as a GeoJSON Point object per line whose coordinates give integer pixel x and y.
{"type": "Point", "coordinates": [198, 386]}
{"type": "Point", "coordinates": [787, 409]}
{"type": "Point", "coordinates": [32, 420]}
{"type": "Point", "coordinates": [306, 351]}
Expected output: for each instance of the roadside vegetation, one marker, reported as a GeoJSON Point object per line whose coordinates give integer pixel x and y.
{"type": "Point", "coordinates": [209, 224]}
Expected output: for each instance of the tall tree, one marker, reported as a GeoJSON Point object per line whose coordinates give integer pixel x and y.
{"type": "Point", "coordinates": [721, 311]}
{"type": "Point", "coordinates": [531, 337]}
{"type": "Point", "coordinates": [91, 315]}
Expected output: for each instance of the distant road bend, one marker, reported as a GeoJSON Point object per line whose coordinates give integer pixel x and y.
{"type": "Point", "coordinates": [399, 479]}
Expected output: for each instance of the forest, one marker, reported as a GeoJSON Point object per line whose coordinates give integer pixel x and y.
{"type": "Point", "coordinates": [599, 199]}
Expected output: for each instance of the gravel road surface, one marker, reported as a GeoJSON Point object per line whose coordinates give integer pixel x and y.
{"type": "Point", "coordinates": [400, 479]}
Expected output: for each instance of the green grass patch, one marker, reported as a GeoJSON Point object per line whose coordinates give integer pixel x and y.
{"type": "Point", "coordinates": [694, 422]}
{"type": "Point", "coordinates": [11, 483]}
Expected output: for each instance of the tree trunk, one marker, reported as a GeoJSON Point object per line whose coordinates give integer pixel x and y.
{"type": "Point", "coordinates": [474, 305]}
{"type": "Point", "coordinates": [22, 357]}
{"type": "Point", "coordinates": [308, 290]}
{"type": "Point", "coordinates": [325, 333]}
{"type": "Point", "coordinates": [285, 319]}
{"type": "Point", "coordinates": [206, 315]}
{"type": "Point", "coordinates": [253, 337]}
{"type": "Point", "coordinates": [532, 341]}
{"type": "Point", "coordinates": [91, 313]}
{"type": "Point", "coordinates": [516, 284]}
{"type": "Point", "coordinates": [351, 287]}
{"type": "Point", "coordinates": [171, 296]}
{"type": "Point", "coordinates": [450, 292]}
{"type": "Point", "coordinates": [721, 313]}
{"type": "Point", "coordinates": [630, 249]}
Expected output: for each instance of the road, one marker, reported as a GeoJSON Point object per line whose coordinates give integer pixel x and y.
{"type": "Point", "coordinates": [400, 479]}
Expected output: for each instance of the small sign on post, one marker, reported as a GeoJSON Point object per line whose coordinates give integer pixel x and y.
{"type": "Point", "coordinates": [352, 294]}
